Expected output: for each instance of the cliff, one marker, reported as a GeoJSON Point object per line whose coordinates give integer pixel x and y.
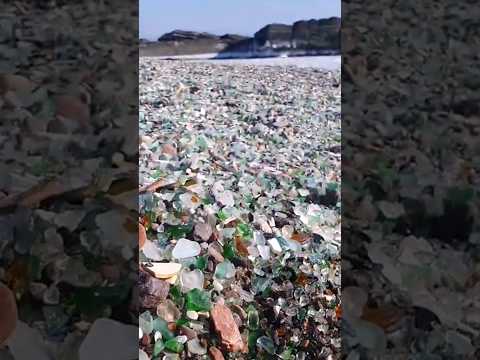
{"type": "Point", "coordinates": [306, 37]}
{"type": "Point", "coordinates": [317, 34]}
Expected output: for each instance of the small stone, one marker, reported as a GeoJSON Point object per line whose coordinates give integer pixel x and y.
{"type": "Point", "coordinates": [142, 355]}
{"type": "Point", "coordinates": [197, 326]}
{"type": "Point", "coordinates": [220, 300]}
{"type": "Point", "coordinates": [226, 328]}
{"type": "Point", "coordinates": [72, 109]}
{"type": "Point", "coordinates": [195, 347]}
{"type": "Point", "coordinates": [185, 249]}
{"type": "Point", "coordinates": [253, 251]}
{"type": "Point", "coordinates": [238, 319]}
{"type": "Point", "coordinates": [142, 236]}
{"type": "Point", "coordinates": [189, 333]}
{"type": "Point", "coordinates": [8, 313]}
{"type": "Point", "coordinates": [391, 210]}
{"type": "Point", "coordinates": [225, 270]}
{"type": "Point", "coordinates": [217, 285]}
{"type": "Point", "coordinates": [195, 161]}
{"type": "Point", "coordinates": [264, 251]}
{"type": "Point", "coordinates": [171, 357]}
{"type": "Point", "coordinates": [145, 321]}
{"type": "Point", "coordinates": [145, 139]}
{"type": "Point", "coordinates": [193, 315]}
{"type": "Point", "coordinates": [461, 344]}
{"type": "Point", "coordinates": [182, 339]}
{"type": "Point", "coordinates": [118, 159]}
{"type": "Point", "coordinates": [153, 290]}
{"type": "Point", "coordinates": [204, 314]}
{"type": "Point", "coordinates": [169, 149]}
{"type": "Point", "coordinates": [225, 198]}
{"type": "Point", "coordinates": [168, 311]}
{"type": "Point", "coordinates": [203, 231]}
{"type": "Point", "coordinates": [164, 270]}
{"type": "Point", "coordinates": [238, 309]}
{"type": "Point", "coordinates": [172, 280]}
{"type": "Point", "coordinates": [215, 353]}
{"type": "Point", "coordinates": [265, 226]}
{"type": "Point", "coordinates": [37, 289]}
{"type": "Point", "coordinates": [82, 325]}
{"type": "Point", "coordinates": [191, 280]}
{"type": "Point", "coordinates": [266, 344]}
{"type": "Point", "coordinates": [215, 253]}
{"type": "Point", "coordinates": [275, 245]}
{"type": "Point", "coordinates": [109, 340]}
{"type": "Point", "coordinates": [15, 83]}
{"type": "Point", "coordinates": [51, 296]}
{"type": "Point", "coordinates": [258, 238]}
{"type": "Point", "coordinates": [287, 231]}
{"type": "Point", "coordinates": [304, 192]}
{"type": "Point", "coordinates": [151, 251]}
{"type": "Point", "coordinates": [189, 201]}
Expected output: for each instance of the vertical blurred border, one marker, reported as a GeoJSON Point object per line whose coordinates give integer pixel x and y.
{"type": "Point", "coordinates": [68, 179]}
{"type": "Point", "coordinates": [410, 231]}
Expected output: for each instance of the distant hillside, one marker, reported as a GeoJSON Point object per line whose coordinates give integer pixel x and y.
{"type": "Point", "coordinates": [306, 37]}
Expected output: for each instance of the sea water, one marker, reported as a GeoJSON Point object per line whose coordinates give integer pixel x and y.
{"type": "Point", "coordinates": [332, 62]}
{"type": "Point", "coordinates": [326, 62]}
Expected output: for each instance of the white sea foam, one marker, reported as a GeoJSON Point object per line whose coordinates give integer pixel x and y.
{"type": "Point", "coordinates": [321, 62]}
{"type": "Point", "coordinates": [331, 62]}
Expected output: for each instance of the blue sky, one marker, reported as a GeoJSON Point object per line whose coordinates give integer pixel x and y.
{"type": "Point", "coordinates": [227, 16]}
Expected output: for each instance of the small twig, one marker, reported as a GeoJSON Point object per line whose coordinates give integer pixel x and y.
{"type": "Point", "coordinates": [35, 195]}
{"type": "Point", "coordinates": [156, 185]}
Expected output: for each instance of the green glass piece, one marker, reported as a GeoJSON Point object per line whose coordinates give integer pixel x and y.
{"type": "Point", "coordinates": [201, 142]}
{"type": "Point", "coordinates": [146, 322]}
{"type": "Point", "coordinates": [244, 231]}
{"type": "Point", "coordinates": [249, 199]}
{"type": "Point", "coordinates": [287, 354]}
{"type": "Point", "coordinates": [222, 216]}
{"type": "Point", "coordinates": [252, 319]}
{"type": "Point", "coordinates": [162, 326]}
{"type": "Point", "coordinates": [225, 270]}
{"type": "Point", "coordinates": [332, 186]}
{"type": "Point", "coordinates": [158, 347]}
{"type": "Point", "coordinates": [261, 285]}
{"type": "Point", "coordinates": [176, 294]}
{"type": "Point", "coordinates": [198, 300]}
{"type": "Point", "coordinates": [229, 251]}
{"type": "Point", "coordinates": [158, 173]}
{"type": "Point", "coordinates": [178, 231]}
{"type": "Point", "coordinates": [181, 322]}
{"type": "Point", "coordinates": [252, 340]}
{"type": "Point", "coordinates": [55, 317]}
{"type": "Point", "coordinates": [208, 200]}
{"type": "Point", "coordinates": [302, 314]}
{"type": "Point", "coordinates": [201, 263]}
{"type": "Point", "coordinates": [174, 345]}
{"type": "Point", "coordinates": [460, 196]}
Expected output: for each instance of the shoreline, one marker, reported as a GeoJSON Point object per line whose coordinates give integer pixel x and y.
{"type": "Point", "coordinates": [326, 63]}
{"type": "Point", "coordinates": [243, 55]}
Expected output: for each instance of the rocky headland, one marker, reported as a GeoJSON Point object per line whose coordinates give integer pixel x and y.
{"type": "Point", "coordinates": [305, 37]}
